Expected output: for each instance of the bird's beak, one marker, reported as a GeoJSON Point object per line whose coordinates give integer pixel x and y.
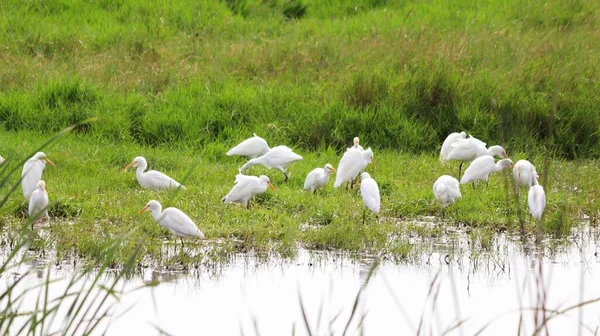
{"type": "Point", "coordinates": [271, 186]}
{"type": "Point", "coordinates": [143, 209]}
{"type": "Point", "coordinates": [333, 169]}
{"type": "Point", "coordinates": [44, 189]}
{"type": "Point", "coordinates": [50, 162]}
{"type": "Point", "coordinates": [128, 166]}
{"type": "Point", "coordinates": [373, 162]}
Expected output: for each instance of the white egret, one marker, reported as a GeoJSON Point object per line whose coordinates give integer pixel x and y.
{"type": "Point", "coordinates": [450, 139]}
{"type": "Point", "coordinates": [2, 159]}
{"type": "Point", "coordinates": [369, 190]}
{"type": "Point", "coordinates": [471, 148]}
{"type": "Point", "coordinates": [175, 220]}
{"type": "Point", "coordinates": [536, 197]}
{"type": "Point", "coordinates": [522, 173]}
{"type": "Point", "coordinates": [352, 163]}
{"type": "Point", "coordinates": [446, 190]}
{"type": "Point", "coordinates": [252, 147]}
{"type": "Point", "coordinates": [356, 145]}
{"type": "Point", "coordinates": [280, 157]}
{"type": "Point", "coordinates": [38, 203]}
{"type": "Point", "coordinates": [481, 168]}
{"type": "Point", "coordinates": [32, 173]}
{"type": "Point", "coordinates": [318, 178]}
{"type": "Point", "coordinates": [152, 179]}
{"type": "Point", "coordinates": [245, 187]}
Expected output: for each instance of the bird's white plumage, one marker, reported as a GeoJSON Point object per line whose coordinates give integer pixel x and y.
{"type": "Point", "coordinates": [482, 167]}
{"type": "Point", "coordinates": [369, 191]}
{"type": "Point", "coordinates": [152, 179]}
{"type": "Point", "coordinates": [175, 220]}
{"type": "Point", "coordinates": [2, 159]}
{"type": "Point", "coordinates": [38, 203]}
{"type": "Point", "coordinates": [357, 145]}
{"type": "Point", "coordinates": [447, 145]}
{"type": "Point", "coordinates": [32, 173]}
{"type": "Point", "coordinates": [446, 190]}
{"type": "Point", "coordinates": [536, 198]}
{"type": "Point", "coordinates": [471, 148]}
{"type": "Point", "coordinates": [352, 163]}
{"type": "Point", "coordinates": [245, 187]}
{"type": "Point", "coordinates": [318, 178]}
{"type": "Point", "coordinates": [252, 147]}
{"type": "Point", "coordinates": [280, 157]}
{"type": "Point", "coordinates": [522, 173]}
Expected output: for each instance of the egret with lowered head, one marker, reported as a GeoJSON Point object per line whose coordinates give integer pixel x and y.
{"type": "Point", "coordinates": [369, 190]}
{"type": "Point", "coordinates": [481, 168]}
{"type": "Point", "coordinates": [152, 179]}
{"type": "Point", "coordinates": [252, 147]}
{"type": "Point", "coordinates": [522, 173]}
{"type": "Point", "coordinates": [536, 199]}
{"type": "Point", "coordinates": [32, 173]}
{"type": "Point", "coordinates": [318, 178]}
{"type": "Point", "coordinates": [280, 158]}
{"type": "Point", "coordinates": [471, 148]}
{"type": "Point", "coordinates": [175, 220]}
{"type": "Point", "coordinates": [446, 190]}
{"type": "Point", "coordinates": [352, 163]}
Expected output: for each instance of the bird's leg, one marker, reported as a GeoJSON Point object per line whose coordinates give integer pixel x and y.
{"type": "Point", "coordinates": [364, 215]}
{"type": "Point", "coordinates": [352, 184]}
{"type": "Point", "coordinates": [181, 239]}
{"type": "Point", "coordinates": [347, 184]}
{"type": "Point", "coordinates": [314, 191]}
{"type": "Point", "coordinates": [286, 176]}
{"type": "Point", "coordinates": [442, 212]}
{"type": "Point", "coordinates": [460, 169]}
{"type": "Point", "coordinates": [487, 183]}
{"type": "Point", "coordinates": [473, 185]}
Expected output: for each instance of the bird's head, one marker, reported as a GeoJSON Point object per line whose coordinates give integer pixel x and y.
{"type": "Point", "coordinates": [137, 161]}
{"type": "Point", "coordinates": [41, 184]}
{"type": "Point", "coordinates": [463, 134]}
{"type": "Point", "coordinates": [150, 206]}
{"type": "Point", "coordinates": [265, 179]}
{"type": "Point", "coordinates": [329, 168]}
{"type": "Point", "coordinates": [42, 157]}
{"type": "Point", "coordinates": [368, 153]}
{"type": "Point", "coordinates": [498, 151]}
{"type": "Point", "coordinates": [364, 176]}
{"type": "Point", "coordinates": [356, 141]}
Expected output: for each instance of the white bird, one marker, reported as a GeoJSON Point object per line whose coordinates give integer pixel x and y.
{"type": "Point", "coordinates": [446, 190]}
{"type": "Point", "coordinates": [2, 159]}
{"type": "Point", "coordinates": [482, 167]}
{"type": "Point", "coordinates": [352, 163]}
{"type": "Point", "coordinates": [38, 203]}
{"type": "Point", "coordinates": [245, 187]}
{"type": "Point", "coordinates": [369, 190]}
{"type": "Point", "coordinates": [252, 147]}
{"type": "Point", "coordinates": [318, 178]}
{"type": "Point", "coordinates": [522, 173]}
{"type": "Point", "coordinates": [280, 157]}
{"type": "Point", "coordinates": [175, 220]}
{"type": "Point", "coordinates": [450, 139]}
{"type": "Point", "coordinates": [536, 197]}
{"type": "Point", "coordinates": [471, 148]}
{"type": "Point", "coordinates": [152, 179]}
{"type": "Point", "coordinates": [356, 145]}
{"type": "Point", "coordinates": [32, 173]}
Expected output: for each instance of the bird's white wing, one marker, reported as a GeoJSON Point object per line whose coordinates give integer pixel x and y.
{"type": "Point", "coordinates": [536, 201]}
{"type": "Point", "coordinates": [158, 180]}
{"type": "Point", "coordinates": [281, 156]}
{"type": "Point", "coordinates": [369, 191]}
{"type": "Point", "coordinates": [349, 167]}
{"type": "Point", "coordinates": [465, 149]}
{"type": "Point", "coordinates": [177, 221]}
{"type": "Point", "coordinates": [446, 146]}
{"type": "Point", "coordinates": [479, 169]}
{"type": "Point", "coordinates": [38, 203]}
{"type": "Point", "coordinates": [243, 188]}
{"type": "Point", "coordinates": [313, 177]}
{"type": "Point", "coordinates": [251, 147]}
{"type": "Point", "coordinates": [32, 174]}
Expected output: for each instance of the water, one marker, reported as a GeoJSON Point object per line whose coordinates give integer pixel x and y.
{"type": "Point", "coordinates": [452, 279]}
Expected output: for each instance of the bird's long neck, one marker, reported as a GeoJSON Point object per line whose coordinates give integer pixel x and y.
{"type": "Point", "coordinates": [139, 172]}
{"type": "Point", "coordinates": [251, 163]}
{"type": "Point", "coordinates": [499, 166]}
{"type": "Point", "coordinates": [157, 213]}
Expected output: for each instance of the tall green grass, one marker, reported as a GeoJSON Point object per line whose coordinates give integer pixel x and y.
{"type": "Point", "coordinates": [401, 75]}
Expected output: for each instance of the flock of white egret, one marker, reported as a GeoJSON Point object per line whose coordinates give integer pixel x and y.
{"type": "Point", "coordinates": [446, 189]}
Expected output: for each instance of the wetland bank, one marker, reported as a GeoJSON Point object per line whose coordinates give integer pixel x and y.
{"type": "Point", "coordinates": [182, 82]}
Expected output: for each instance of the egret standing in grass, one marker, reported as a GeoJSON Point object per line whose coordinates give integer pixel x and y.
{"type": "Point", "coordinates": [536, 198]}
{"type": "Point", "coordinates": [152, 179]}
{"type": "Point", "coordinates": [446, 190]}
{"type": "Point", "coordinates": [38, 203]}
{"type": "Point", "coordinates": [318, 178]}
{"type": "Point", "coordinates": [481, 168]}
{"type": "Point", "coordinates": [280, 158]}
{"type": "Point", "coordinates": [352, 163]}
{"type": "Point", "coordinates": [522, 173]}
{"type": "Point", "coordinates": [447, 145]}
{"type": "Point", "coordinates": [369, 190]}
{"type": "Point", "coordinates": [32, 173]}
{"type": "Point", "coordinates": [469, 149]}
{"type": "Point", "coordinates": [356, 144]}
{"type": "Point", "coordinates": [252, 147]}
{"type": "Point", "coordinates": [175, 220]}
{"type": "Point", "coordinates": [2, 159]}
{"type": "Point", "coordinates": [245, 187]}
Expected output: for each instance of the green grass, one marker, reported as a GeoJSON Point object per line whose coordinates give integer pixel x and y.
{"type": "Point", "coordinates": [401, 74]}
{"type": "Point", "coordinates": [93, 201]}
